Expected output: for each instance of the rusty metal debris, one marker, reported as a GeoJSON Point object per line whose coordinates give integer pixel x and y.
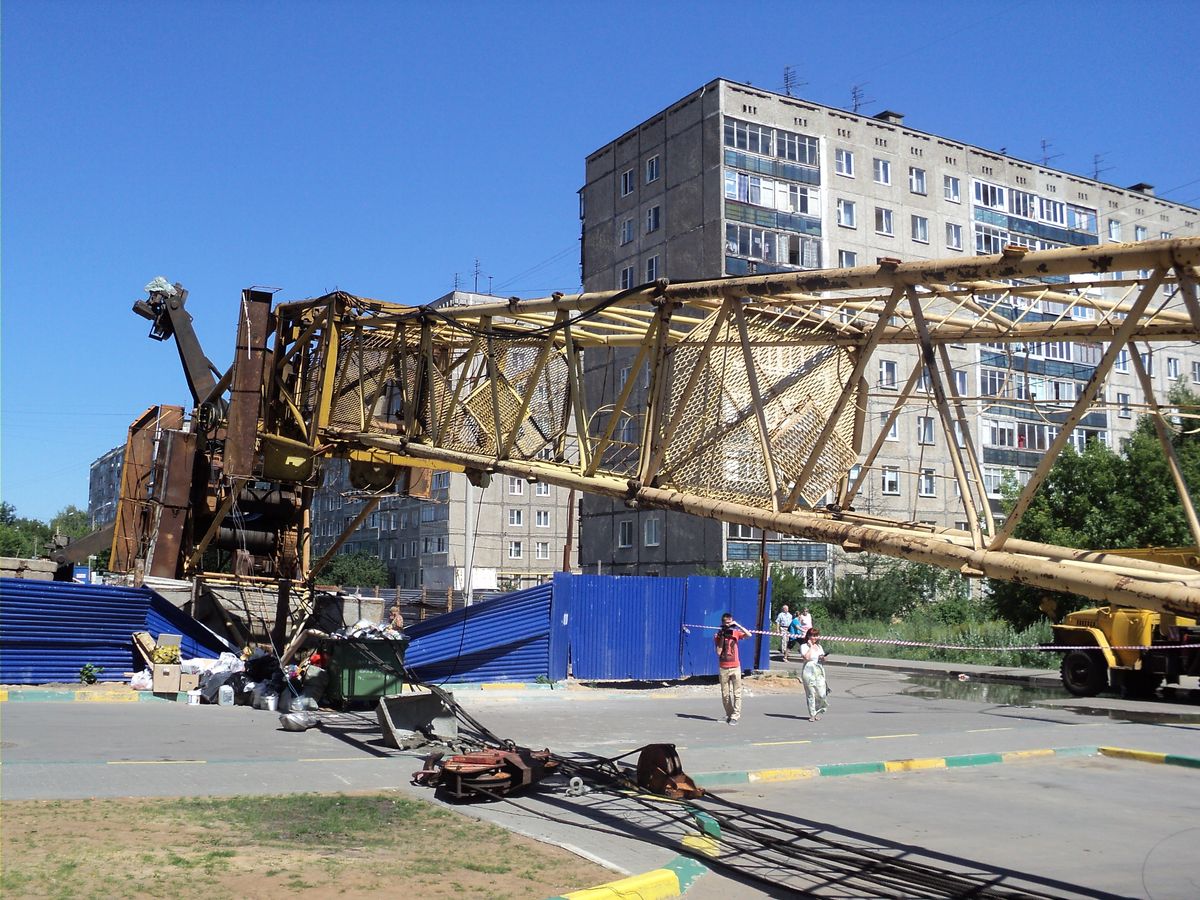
{"type": "Point", "coordinates": [485, 773]}
{"type": "Point", "coordinates": [660, 772]}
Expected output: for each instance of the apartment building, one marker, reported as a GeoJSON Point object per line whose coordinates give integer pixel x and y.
{"type": "Point", "coordinates": [735, 180]}
{"type": "Point", "coordinates": [505, 536]}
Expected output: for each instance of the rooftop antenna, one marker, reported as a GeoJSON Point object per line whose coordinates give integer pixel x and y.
{"type": "Point", "coordinates": [1097, 169]}
{"type": "Point", "coordinates": [858, 96]}
{"type": "Point", "coordinates": [456, 281]}
{"type": "Point", "coordinates": [1047, 158]}
{"type": "Point", "coordinates": [489, 285]}
{"type": "Point", "coordinates": [791, 82]}
{"type": "Point", "coordinates": [476, 289]}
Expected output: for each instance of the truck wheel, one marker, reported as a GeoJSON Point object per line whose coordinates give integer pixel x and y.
{"type": "Point", "coordinates": [1084, 673]}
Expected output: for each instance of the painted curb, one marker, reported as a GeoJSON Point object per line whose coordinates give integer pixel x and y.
{"type": "Point", "coordinates": [672, 880]}
{"type": "Point", "coordinates": [1166, 759]}
{"type": "Point", "coordinates": [125, 694]}
{"type": "Point", "coordinates": [722, 779]}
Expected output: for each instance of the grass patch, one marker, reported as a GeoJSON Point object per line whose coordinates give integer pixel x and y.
{"type": "Point", "coordinates": [330, 821]}
{"type": "Point", "coordinates": [985, 641]}
{"type": "Point", "coordinates": [377, 845]}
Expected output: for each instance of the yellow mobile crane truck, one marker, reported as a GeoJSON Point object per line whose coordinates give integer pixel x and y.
{"type": "Point", "coordinates": [1133, 651]}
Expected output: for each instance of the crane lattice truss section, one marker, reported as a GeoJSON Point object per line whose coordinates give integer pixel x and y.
{"type": "Point", "coordinates": [746, 398]}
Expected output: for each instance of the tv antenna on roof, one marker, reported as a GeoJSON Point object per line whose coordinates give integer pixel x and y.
{"type": "Point", "coordinates": [1097, 169]}
{"type": "Point", "coordinates": [1046, 157]}
{"type": "Point", "coordinates": [858, 96]}
{"type": "Point", "coordinates": [790, 82]}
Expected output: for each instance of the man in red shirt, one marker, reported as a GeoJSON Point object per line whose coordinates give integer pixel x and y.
{"type": "Point", "coordinates": [730, 667]}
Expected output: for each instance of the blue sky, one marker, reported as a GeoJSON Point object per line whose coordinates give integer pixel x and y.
{"type": "Point", "coordinates": [383, 147]}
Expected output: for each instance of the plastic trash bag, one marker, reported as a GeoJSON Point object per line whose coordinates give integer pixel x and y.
{"type": "Point", "coordinates": [142, 681]}
{"type": "Point", "coordinates": [297, 721]}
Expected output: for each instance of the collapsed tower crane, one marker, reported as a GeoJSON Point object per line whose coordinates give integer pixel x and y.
{"type": "Point", "coordinates": [755, 406]}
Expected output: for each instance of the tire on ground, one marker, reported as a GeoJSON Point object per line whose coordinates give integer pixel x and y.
{"type": "Point", "coordinates": [1084, 673]}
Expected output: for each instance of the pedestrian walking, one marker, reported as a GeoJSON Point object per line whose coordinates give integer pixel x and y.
{"type": "Point", "coordinates": [729, 666]}
{"type": "Point", "coordinates": [782, 622]}
{"type": "Point", "coordinates": [813, 675]}
{"type": "Point", "coordinates": [806, 622]}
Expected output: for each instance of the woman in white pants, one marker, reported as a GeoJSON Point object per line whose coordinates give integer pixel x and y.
{"type": "Point", "coordinates": [813, 674]}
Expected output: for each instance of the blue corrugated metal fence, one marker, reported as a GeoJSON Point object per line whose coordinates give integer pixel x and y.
{"type": "Point", "coordinates": [610, 629]}
{"type": "Point", "coordinates": [49, 630]}
{"type": "Point", "coordinates": [515, 637]}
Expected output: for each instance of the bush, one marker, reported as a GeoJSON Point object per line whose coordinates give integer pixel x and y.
{"type": "Point", "coordinates": [986, 640]}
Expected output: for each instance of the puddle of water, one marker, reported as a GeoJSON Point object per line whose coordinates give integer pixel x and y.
{"type": "Point", "coordinates": [931, 687]}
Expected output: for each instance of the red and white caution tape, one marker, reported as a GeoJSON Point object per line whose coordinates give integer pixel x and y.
{"type": "Point", "coordinates": [894, 642]}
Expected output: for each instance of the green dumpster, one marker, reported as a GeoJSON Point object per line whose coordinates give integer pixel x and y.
{"type": "Point", "coordinates": [364, 670]}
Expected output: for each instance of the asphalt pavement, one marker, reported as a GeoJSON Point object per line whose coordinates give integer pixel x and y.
{"type": "Point", "coordinates": [953, 772]}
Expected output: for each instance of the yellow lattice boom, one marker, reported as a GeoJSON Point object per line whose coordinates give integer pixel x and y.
{"type": "Point", "coordinates": [745, 399]}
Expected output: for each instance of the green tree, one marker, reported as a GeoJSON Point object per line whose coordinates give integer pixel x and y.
{"type": "Point", "coordinates": [71, 521]}
{"type": "Point", "coordinates": [356, 569]}
{"type": "Point", "coordinates": [21, 537]}
{"type": "Point", "coordinates": [1101, 499]}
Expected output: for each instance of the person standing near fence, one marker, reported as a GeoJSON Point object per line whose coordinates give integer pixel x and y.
{"type": "Point", "coordinates": [813, 675]}
{"type": "Point", "coordinates": [806, 622]}
{"type": "Point", "coordinates": [729, 666]}
{"type": "Point", "coordinates": [782, 622]}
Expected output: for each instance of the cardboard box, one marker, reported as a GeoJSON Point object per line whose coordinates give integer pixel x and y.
{"type": "Point", "coordinates": [189, 681]}
{"type": "Point", "coordinates": [166, 679]}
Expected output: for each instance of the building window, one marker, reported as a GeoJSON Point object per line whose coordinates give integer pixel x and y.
{"type": "Point", "coordinates": [890, 480]}
{"type": "Point", "coordinates": [843, 162]}
{"type": "Point", "coordinates": [1052, 211]}
{"type": "Point", "coordinates": [1139, 232]}
{"type": "Point", "coordinates": [883, 221]}
{"type": "Point", "coordinates": [1165, 235]}
{"type": "Point", "coordinates": [998, 434]}
{"type": "Point", "coordinates": [516, 550]}
{"type": "Point", "coordinates": [893, 433]}
{"type": "Point", "coordinates": [625, 533]}
{"type": "Point", "coordinates": [951, 189]}
{"type": "Point", "coordinates": [626, 281]}
{"type": "Point", "coordinates": [542, 549]}
{"type": "Point", "coordinates": [623, 377]}
{"type": "Point", "coordinates": [990, 195]}
{"type": "Point", "coordinates": [627, 183]}
{"type": "Point", "coordinates": [652, 169]}
{"type": "Point", "coordinates": [440, 481]}
{"type": "Point", "coordinates": [1172, 368]}
{"type": "Point", "coordinates": [1196, 372]}
{"type": "Point", "coordinates": [626, 231]}
{"type": "Point", "coordinates": [516, 517]}
{"type": "Point", "coordinates": [916, 180]}
{"type": "Point", "coordinates": [920, 229]}
{"type": "Point", "coordinates": [516, 486]}
{"type": "Point", "coordinates": [883, 171]}
{"type": "Point", "coordinates": [651, 531]}
{"type": "Point", "coordinates": [652, 268]}
{"type": "Point", "coordinates": [541, 489]}
{"type": "Point", "coordinates": [1148, 362]}
{"type": "Point", "coordinates": [1121, 364]}
{"type": "Point", "coordinates": [845, 214]}
{"type": "Point", "coordinates": [1022, 203]}
{"type": "Point", "coordinates": [745, 532]}
{"type": "Point", "coordinates": [847, 258]}
{"type": "Point", "coordinates": [653, 218]}
{"type": "Point", "coordinates": [924, 429]}
{"type": "Point", "coordinates": [926, 485]}
{"type": "Point", "coordinates": [953, 236]}
{"type": "Point", "coordinates": [1114, 230]}
{"type": "Point", "coordinates": [541, 518]}
{"type": "Point", "coordinates": [1123, 404]}
{"type": "Point", "coordinates": [887, 373]}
